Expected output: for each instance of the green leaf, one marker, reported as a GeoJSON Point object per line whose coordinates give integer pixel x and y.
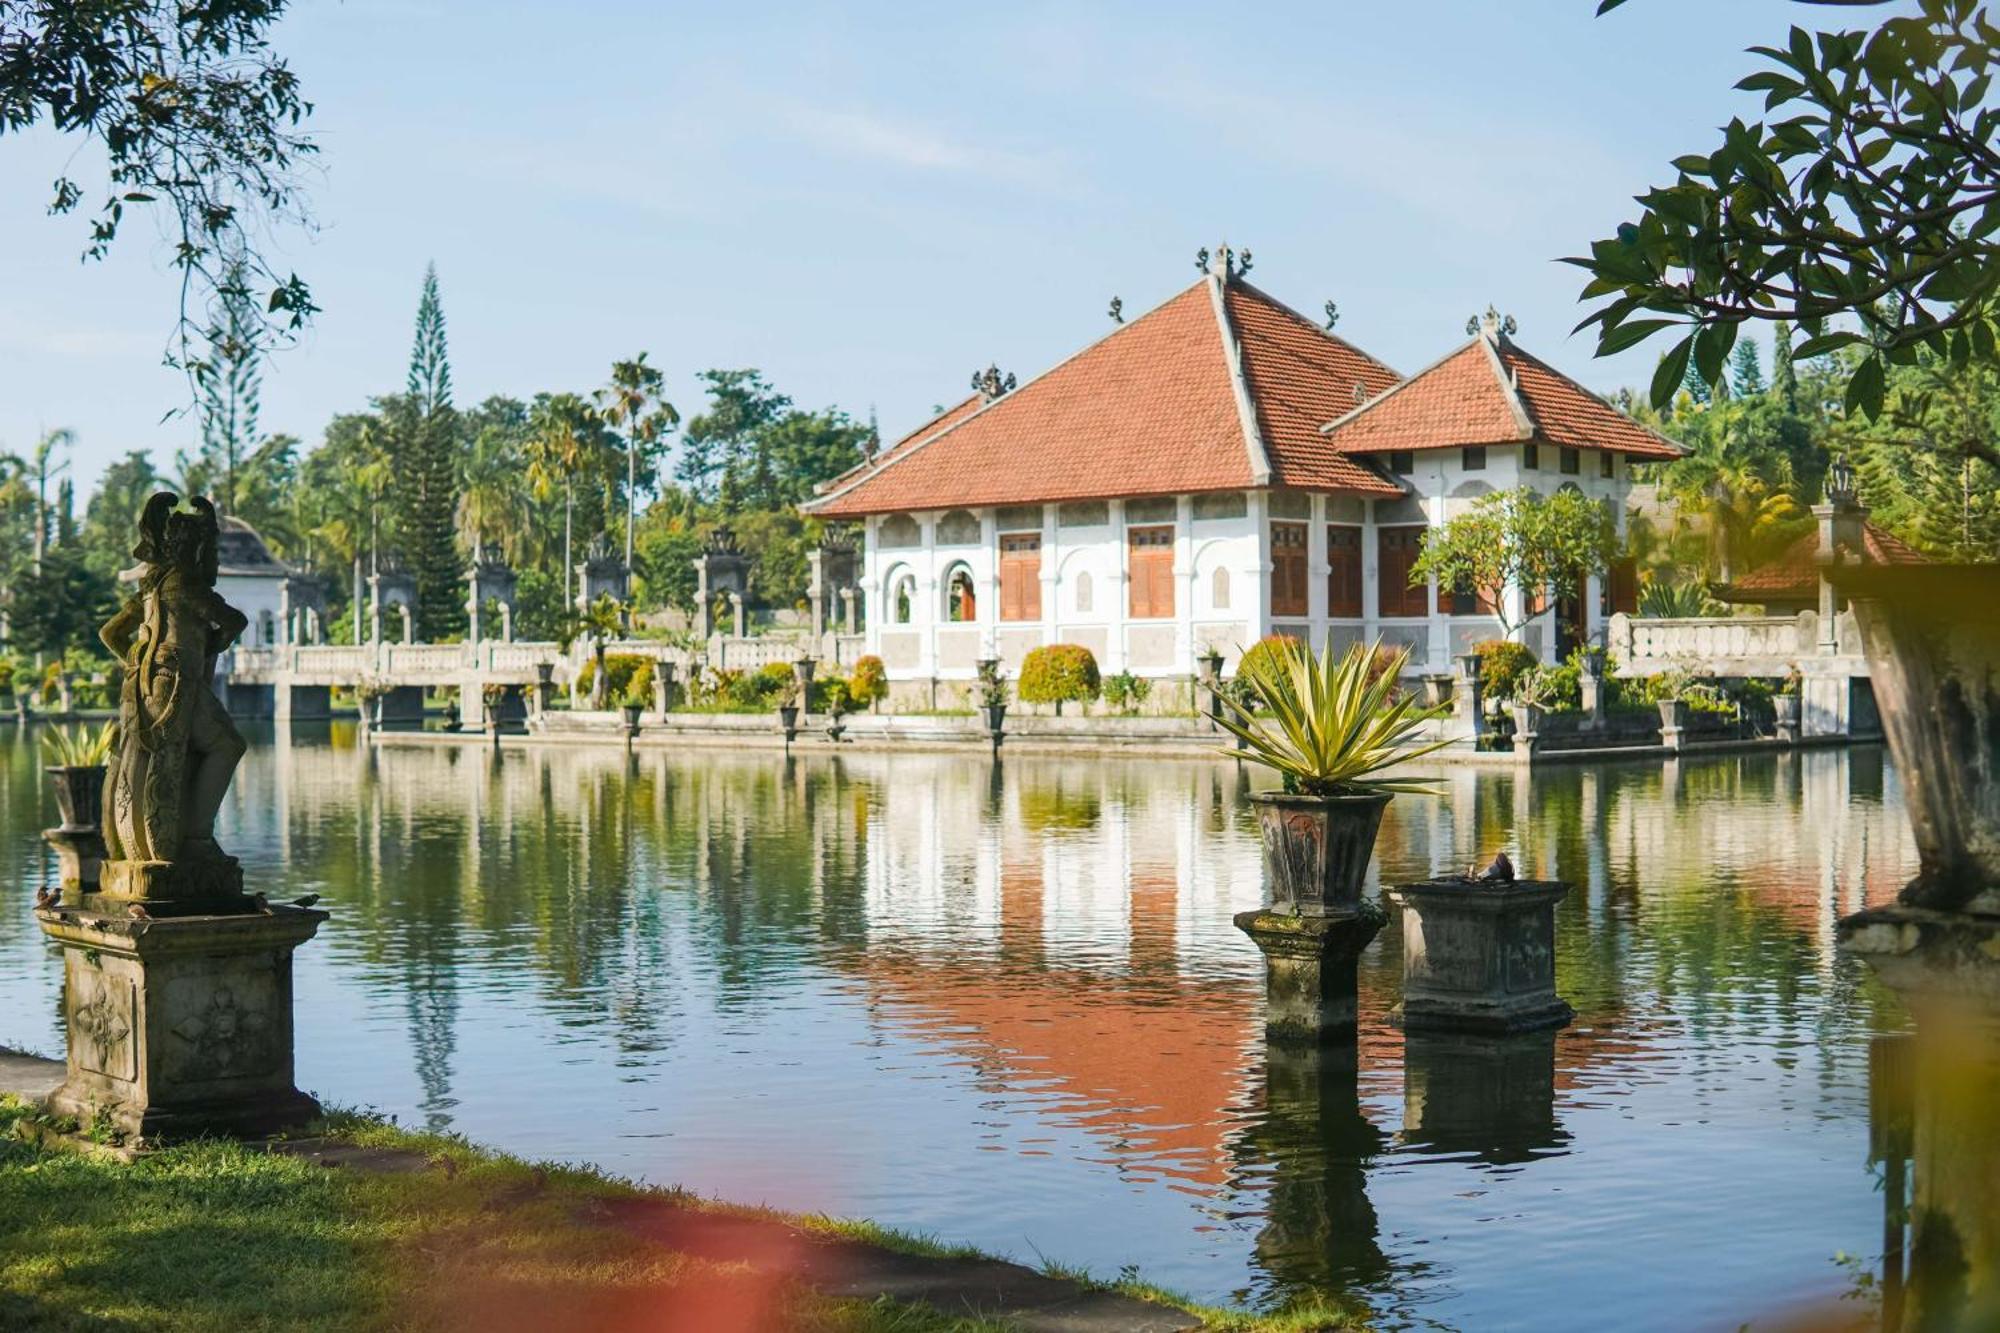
{"type": "Point", "coordinates": [1631, 334]}
{"type": "Point", "coordinates": [1825, 343]}
{"type": "Point", "coordinates": [1864, 391]}
{"type": "Point", "coordinates": [1673, 369]}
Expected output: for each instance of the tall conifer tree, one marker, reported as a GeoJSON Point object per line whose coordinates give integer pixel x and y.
{"type": "Point", "coordinates": [229, 380]}
{"type": "Point", "coordinates": [425, 430]}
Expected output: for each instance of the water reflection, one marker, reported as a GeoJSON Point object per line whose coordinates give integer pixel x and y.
{"type": "Point", "coordinates": [1004, 1002]}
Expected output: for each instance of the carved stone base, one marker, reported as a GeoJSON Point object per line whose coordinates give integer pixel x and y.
{"type": "Point", "coordinates": [79, 859]}
{"type": "Point", "coordinates": [1479, 956]}
{"type": "Point", "coordinates": [1309, 973]}
{"type": "Point", "coordinates": [203, 881]}
{"type": "Point", "coordinates": [180, 1026]}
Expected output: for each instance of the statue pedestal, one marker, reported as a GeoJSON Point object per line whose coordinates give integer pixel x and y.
{"type": "Point", "coordinates": [1945, 966]}
{"type": "Point", "coordinates": [1479, 956]}
{"type": "Point", "coordinates": [1309, 973]}
{"type": "Point", "coordinates": [180, 1025]}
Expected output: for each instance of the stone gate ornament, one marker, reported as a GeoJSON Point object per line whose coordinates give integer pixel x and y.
{"type": "Point", "coordinates": [177, 749]}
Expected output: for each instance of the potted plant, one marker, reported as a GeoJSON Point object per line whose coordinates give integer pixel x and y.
{"type": "Point", "coordinates": [993, 703]}
{"type": "Point", "coordinates": [1670, 689]}
{"type": "Point", "coordinates": [663, 685]}
{"type": "Point", "coordinates": [494, 697]}
{"type": "Point", "coordinates": [1785, 703]}
{"type": "Point", "coordinates": [1530, 702]}
{"type": "Point", "coordinates": [870, 682]}
{"type": "Point", "coordinates": [1326, 725]}
{"type": "Point", "coordinates": [633, 704]}
{"type": "Point", "coordinates": [76, 761]}
{"type": "Point", "coordinates": [788, 707]}
{"type": "Point", "coordinates": [368, 694]}
{"type": "Point", "coordinates": [836, 703]}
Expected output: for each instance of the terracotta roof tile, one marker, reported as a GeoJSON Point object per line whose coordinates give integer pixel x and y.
{"type": "Point", "coordinates": [1467, 399]}
{"type": "Point", "coordinates": [1150, 409]}
{"type": "Point", "coordinates": [1794, 574]}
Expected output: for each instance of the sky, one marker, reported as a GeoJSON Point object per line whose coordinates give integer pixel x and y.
{"type": "Point", "coordinates": [868, 202]}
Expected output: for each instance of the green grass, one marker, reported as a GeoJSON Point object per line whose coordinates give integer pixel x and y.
{"type": "Point", "coordinates": [218, 1236]}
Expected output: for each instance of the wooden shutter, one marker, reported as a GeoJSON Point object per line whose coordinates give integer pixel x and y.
{"type": "Point", "coordinates": [1150, 572]}
{"type": "Point", "coordinates": [1343, 575]}
{"type": "Point", "coordinates": [1622, 587]}
{"type": "Point", "coordinates": [1021, 576]}
{"type": "Point", "coordinates": [1397, 549]}
{"type": "Point", "coordinates": [1288, 569]}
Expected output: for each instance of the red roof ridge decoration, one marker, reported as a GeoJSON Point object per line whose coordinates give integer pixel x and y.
{"type": "Point", "coordinates": [1488, 390]}
{"type": "Point", "coordinates": [1794, 572]}
{"type": "Point", "coordinates": [1147, 409]}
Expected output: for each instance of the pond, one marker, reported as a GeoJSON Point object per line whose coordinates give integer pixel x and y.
{"type": "Point", "coordinates": [1006, 1005]}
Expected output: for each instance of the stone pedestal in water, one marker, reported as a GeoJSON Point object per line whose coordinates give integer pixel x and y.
{"type": "Point", "coordinates": [1479, 955]}
{"type": "Point", "coordinates": [180, 1025]}
{"type": "Point", "coordinates": [1309, 971]}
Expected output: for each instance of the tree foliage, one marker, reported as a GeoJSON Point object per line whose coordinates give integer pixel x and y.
{"type": "Point", "coordinates": [1863, 210]}
{"type": "Point", "coordinates": [1519, 539]}
{"type": "Point", "coordinates": [199, 120]}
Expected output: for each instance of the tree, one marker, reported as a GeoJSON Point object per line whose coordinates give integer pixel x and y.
{"type": "Point", "coordinates": [45, 467]}
{"type": "Point", "coordinates": [1875, 199]}
{"type": "Point", "coordinates": [807, 448]}
{"type": "Point", "coordinates": [1746, 372]}
{"type": "Point", "coordinates": [492, 502]}
{"type": "Point", "coordinates": [727, 457]}
{"type": "Point", "coordinates": [197, 117]}
{"type": "Point", "coordinates": [109, 518]}
{"type": "Point", "coordinates": [562, 428]}
{"type": "Point", "coordinates": [59, 606]}
{"type": "Point", "coordinates": [228, 383]}
{"type": "Point", "coordinates": [1944, 502]}
{"type": "Point", "coordinates": [1519, 539]}
{"type": "Point", "coordinates": [422, 443]}
{"type": "Point", "coordinates": [634, 405]}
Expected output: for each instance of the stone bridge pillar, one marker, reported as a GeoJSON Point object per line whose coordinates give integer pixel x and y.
{"type": "Point", "coordinates": [388, 588]}
{"type": "Point", "coordinates": [834, 573]}
{"type": "Point", "coordinates": [720, 570]}
{"type": "Point", "coordinates": [491, 579]}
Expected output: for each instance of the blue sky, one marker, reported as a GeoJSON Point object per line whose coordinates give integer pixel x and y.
{"type": "Point", "coordinates": [870, 201]}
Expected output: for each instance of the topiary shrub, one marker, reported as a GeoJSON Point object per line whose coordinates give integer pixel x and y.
{"type": "Point", "coordinates": [624, 674]}
{"type": "Point", "coordinates": [869, 685]}
{"type": "Point", "coordinates": [1262, 655]}
{"type": "Point", "coordinates": [1059, 673]}
{"type": "Point", "coordinates": [1501, 666]}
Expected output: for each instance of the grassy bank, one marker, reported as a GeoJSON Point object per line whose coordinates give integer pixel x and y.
{"type": "Point", "coordinates": [439, 1236]}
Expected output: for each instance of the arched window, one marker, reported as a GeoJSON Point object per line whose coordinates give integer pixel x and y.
{"type": "Point", "coordinates": [1083, 591]}
{"type": "Point", "coordinates": [1218, 589]}
{"type": "Point", "coordinates": [902, 596]}
{"type": "Point", "coordinates": [961, 604]}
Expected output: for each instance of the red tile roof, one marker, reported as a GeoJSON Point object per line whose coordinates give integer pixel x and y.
{"type": "Point", "coordinates": [1150, 409]}
{"type": "Point", "coordinates": [1794, 574]}
{"type": "Point", "coordinates": [1492, 392]}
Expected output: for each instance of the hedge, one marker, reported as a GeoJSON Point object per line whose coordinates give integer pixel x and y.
{"type": "Point", "coordinates": [1059, 673]}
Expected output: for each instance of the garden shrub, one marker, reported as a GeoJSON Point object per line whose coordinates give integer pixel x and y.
{"type": "Point", "coordinates": [1262, 655]}
{"type": "Point", "coordinates": [1501, 666]}
{"type": "Point", "coordinates": [1059, 673]}
{"type": "Point", "coordinates": [869, 685]}
{"type": "Point", "coordinates": [1126, 692]}
{"type": "Point", "coordinates": [625, 674]}
{"type": "Point", "coordinates": [830, 695]}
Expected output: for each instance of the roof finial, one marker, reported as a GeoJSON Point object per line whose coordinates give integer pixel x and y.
{"type": "Point", "coordinates": [1492, 326]}
{"type": "Point", "coordinates": [871, 444]}
{"type": "Point", "coordinates": [1201, 259]}
{"type": "Point", "coordinates": [1117, 311]}
{"type": "Point", "coordinates": [991, 383]}
{"type": "Point", "coordinates": [1229, 263]}
{"type": "Point", "coordinates": [1332, 316]}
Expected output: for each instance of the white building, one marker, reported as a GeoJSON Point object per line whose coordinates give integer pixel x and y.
{"type": "Point", "coordinates": [1215, 471]}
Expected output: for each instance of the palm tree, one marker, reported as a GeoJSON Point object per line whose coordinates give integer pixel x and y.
{"type": "Point", "coordinates": [44, 467]}
{"type": "Point", "coordinates": [491, 503]}
{"type": "Point", "coordinates": [560, 426]}
{"type": "Point", "coordinates": [633, 404]}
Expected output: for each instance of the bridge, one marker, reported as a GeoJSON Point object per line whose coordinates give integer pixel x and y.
{"type": "Point", "coordinates": [289, 681]}
{"type": "Point", "coordinates": [1835, 695]}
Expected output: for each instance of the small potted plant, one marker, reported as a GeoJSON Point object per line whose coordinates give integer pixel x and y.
{"type": "Point", "coordinates": [788, 707]}
{"type": "Point", "coordinates": [494, 697]}
{"type": "Point", "coordinates": [1670, 689]}
{"type": "Point", "coordinates": [76, 761]}
{"type": "Point", "coordinates": [369, 692]}
{"type": "Point", "coordinates": [836, 703]}
{"type": "Point", "coordinates": [993, 703]}
{"type": "Point", "coordinates": [1531, 697]}
{"type": "Point", "coordinates": [1785, 703]}
{"type": "Point", "coordinates": [1327, 725]}
{"type": "Point", "coordinates": [633, 704]}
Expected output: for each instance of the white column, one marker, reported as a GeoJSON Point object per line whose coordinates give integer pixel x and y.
{"type": "Point", "coordinates": [1051, 581]}
{"type": "Point", "coordinates": [1371, 584]}
{"type": "Point", "coordinates": [989, 584]}
{"type": "Point", "coordinates": [927, 613]}
{"type": "Point", "coordinates": [1184, 645]}
{"type": "Point", "coordinates": [1317, 569]}
{"type": "Point", "coordinates": [1259, 604]}
{"type": "Point", "coordinates": [1120, 590]}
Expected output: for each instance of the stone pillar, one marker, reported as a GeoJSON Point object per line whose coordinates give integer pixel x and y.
{"type": "Point", "coordinates": [180, 1025]}
{"type": "Point", "coordinates": [1309, 973]}
{"type": "Point", "coordinates": [848, 618]}
{"type": "Point", "coordinates": [506, 622]}
{"type": "Point", "coordinates": [409, 625]}
{"type": "Point", "coordinates": [736, 614]}
{"type": "Point", "coordinates": [1479, 955]}
{"type": "Point", "coordinates": [1471, 702]}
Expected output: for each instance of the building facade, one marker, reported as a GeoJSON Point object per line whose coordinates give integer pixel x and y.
{"type": "Point", "coordinates": [1216, 471]}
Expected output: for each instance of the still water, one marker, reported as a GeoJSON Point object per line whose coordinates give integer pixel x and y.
{"type": "Point", "coordinates": [1006, 1005]}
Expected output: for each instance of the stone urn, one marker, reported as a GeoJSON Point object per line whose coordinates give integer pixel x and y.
{"type": "Point", "coordinates": [1527, 727]}
{"type": "Point", "coordinates": [79, 840]}
{"type": "Point", "coordinates": [788, 721]}
{"type": "Point", "coordinates": [1437, 689]}
{"type": "Point", "coordinates": [996, 721]}
{"type": "Point", "coordinates": [663, 686]}
{"type": "Point", "coordinates": [633, 715]}
{"type": "Point", "coordinates": [1479, 955]}
{"type": "Point", "coordinates": [1785, 714]}
{"type": "Point", "coordinates": [1316, 849]}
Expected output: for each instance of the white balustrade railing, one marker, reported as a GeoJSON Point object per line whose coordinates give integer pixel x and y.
{"type": "Point", "coordinates": [426, 659]}
{"type": "Point", "coordinates": [1714, 644]}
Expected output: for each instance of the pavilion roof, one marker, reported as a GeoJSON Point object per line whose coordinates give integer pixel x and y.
{"type": "Point", "coordinates": [1220, 388]}
{"type": "Point", "coordinates": [1491, 392]}
{"type": "Point", "coordinates": [1794, 574]}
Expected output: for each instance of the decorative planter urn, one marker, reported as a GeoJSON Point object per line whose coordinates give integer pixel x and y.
{"type": "Point", "coordinates": [1479, 955]}
{"type": "Point", "coordinates": [1316, 849]}
{"type": "Point", "coordinates": [633, 714]}
{"type": "Point", "coordinates": [788, 721]}
{"type": "Point", "coordinates": [1527, 728]}
{"type": "Point", "coordinates": [996, 722]}
{"type": "Point", "coordinates": [1437, 689]}
{"type": "Point", "coordinates": [79, 840]}
{"type": "Point", "coordinates": [663, 687]}
{"type": "Point", "coordinates": [1673, 722]}
{"type": "Point", "coordinates": [1785, 714]}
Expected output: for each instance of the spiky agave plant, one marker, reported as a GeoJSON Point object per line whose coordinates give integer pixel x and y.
{"type": "Point", "coordinates": [79, 747]}
{"type": "Point", "coordinates": [1327, 723]}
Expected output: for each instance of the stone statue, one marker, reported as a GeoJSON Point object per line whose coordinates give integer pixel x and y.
{"type": "Point", "coordinates": [177, 748]}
